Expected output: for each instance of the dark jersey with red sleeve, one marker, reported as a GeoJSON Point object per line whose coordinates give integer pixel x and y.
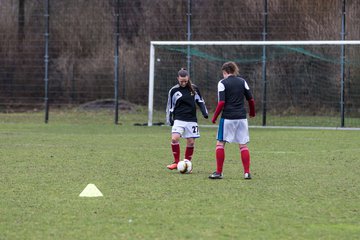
{"type": "Point", "coordinates": [181, 104]}
{"type": "Point", "coordinates": [233, 90]}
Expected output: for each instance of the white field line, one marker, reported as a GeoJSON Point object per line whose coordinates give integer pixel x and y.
{"type": "Point", "coordinates": [291, 127]}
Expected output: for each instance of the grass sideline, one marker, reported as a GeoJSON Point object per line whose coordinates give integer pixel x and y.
{"type": "Point", "coordinates": [305, 183]}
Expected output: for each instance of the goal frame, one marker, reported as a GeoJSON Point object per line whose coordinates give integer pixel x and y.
{"type": "Point", "coordinates": [229, 43]}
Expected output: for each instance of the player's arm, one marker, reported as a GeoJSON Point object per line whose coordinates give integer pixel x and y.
{"type": "Point", "coordinates": [251, 107]}
{"type": "Point", "coordinates": [169, 110]}
{"type": "Point", "coordinates": [201, 103]}
{"type": "Point", "coordinates": [221, 102]}
{"type": "Point", "coordinates": [218, 110]}
{"type": "Point", "coordinates": [250, 99]}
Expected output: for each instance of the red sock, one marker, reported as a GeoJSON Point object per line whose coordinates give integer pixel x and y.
{"type": "Point", "coordinates": [220, 157]}
{"type": "Point", "coordinates": [189, 152]}
{"type": "Point", "coordinates": [245, 158]}
{"type": "Point", "coordinates": [176, 151]}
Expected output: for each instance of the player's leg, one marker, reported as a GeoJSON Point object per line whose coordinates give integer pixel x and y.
{"type": "Point", "coordinates": [191, 132]}
{"type": "Point", "coordinates": [245, 158]}
{"type": "Point", "coordinates": [190, 145]}
{"type": "Point", "coordinates": [220, 151]}
{"type": "Point", "coordinates": [220, 158]}
{"type": "Point", "coordinates": [177, 131]}
{"type": "Point", "coordinates": [175, 148]}
{"type": "Point", "coordinates": [243, 138]}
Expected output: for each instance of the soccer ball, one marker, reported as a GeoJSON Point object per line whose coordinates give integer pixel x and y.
{"type": "Point", "coordinates": [184, 166]}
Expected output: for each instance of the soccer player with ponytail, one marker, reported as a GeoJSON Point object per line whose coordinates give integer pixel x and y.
{"type": "Point", "coordinates": [181, 115]}
{"type": "Point", "coordinates": [233, 125]}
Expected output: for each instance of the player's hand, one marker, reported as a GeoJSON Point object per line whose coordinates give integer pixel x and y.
{"type": "Point", "coordinates": [213, 120]}
{"type": "Point", "coordinates": [252, 114]}
{"type": "Point", "coordinates": [171, 120]}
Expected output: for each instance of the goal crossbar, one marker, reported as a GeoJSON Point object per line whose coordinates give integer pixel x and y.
{"type": "Point", "coordinates": [257, 43]}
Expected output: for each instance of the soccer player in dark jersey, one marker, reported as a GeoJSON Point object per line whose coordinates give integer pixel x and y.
{"type": "Point", "coordinates": [233, 126]}
{"type": "Point", "coordinates": [181, 115]}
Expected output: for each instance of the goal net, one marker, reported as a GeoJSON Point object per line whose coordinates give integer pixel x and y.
{"type": "Point", "coordinates": [294, 83]}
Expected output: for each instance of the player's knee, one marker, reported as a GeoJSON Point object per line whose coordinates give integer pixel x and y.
{"type": "Point", "coordinates": [243, 146]}
{"type": "Point", "coordinates": [219, 146]}
{"type": "Point", "coordinates": [174, 140]}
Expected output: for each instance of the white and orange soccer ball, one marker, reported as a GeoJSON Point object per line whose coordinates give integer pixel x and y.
{"type": "Point", "coordinates": [184, 166]}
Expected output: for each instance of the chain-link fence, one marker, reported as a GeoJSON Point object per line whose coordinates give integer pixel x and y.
{"type": "Point", "coordinates": [67, 53]}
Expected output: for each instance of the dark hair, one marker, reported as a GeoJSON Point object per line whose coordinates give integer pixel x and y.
{"type": "Point", "coordinates": [184, 73]}
{"type": "Point", "coordinates": [230, 68]}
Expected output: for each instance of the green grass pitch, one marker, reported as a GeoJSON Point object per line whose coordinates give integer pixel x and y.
{"type": "Point", "coordinates": [305, 183]}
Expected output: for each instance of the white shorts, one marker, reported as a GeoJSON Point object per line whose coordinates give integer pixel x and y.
{"type": "Point", "coordinates": [186, 129]}
{"type": "Point", "coordinates": [233, 131]}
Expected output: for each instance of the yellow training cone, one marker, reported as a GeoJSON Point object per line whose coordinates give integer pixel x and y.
{"type": "Point", "coordinates": [91, 191]}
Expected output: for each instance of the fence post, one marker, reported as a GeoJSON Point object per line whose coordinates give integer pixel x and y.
{"type": "Point", "coordinates": [46, 60]}
{"type": "Point", "coordinates": [342, 65]}
{"type": "Point", "coordinates": [124, 80]}
{"type": "Point", "coordinates": [116, 61]}
{"type": "Point", "coordinates": [264, 37]}
{"type": "Point", "coordinates": [189, 36]}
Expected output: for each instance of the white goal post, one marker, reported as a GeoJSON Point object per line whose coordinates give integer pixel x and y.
{"type": "Point", "coordinates": [223, 43]}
